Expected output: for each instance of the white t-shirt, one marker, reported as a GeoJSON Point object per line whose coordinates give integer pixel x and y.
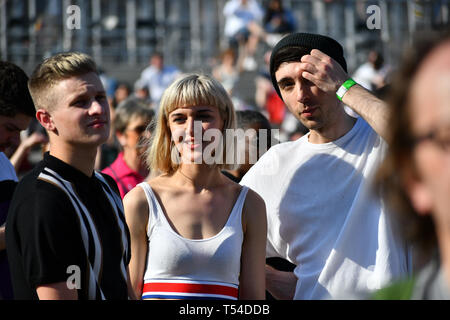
{"type": "Point", "coordinates": [321, 218]}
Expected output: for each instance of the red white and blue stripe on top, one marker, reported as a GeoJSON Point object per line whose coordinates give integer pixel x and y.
{"type": "Point", "coordinates": [189, 289]}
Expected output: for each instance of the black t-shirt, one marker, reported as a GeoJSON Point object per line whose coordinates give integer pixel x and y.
{"type": "Point", "coordinates": [44, 239]}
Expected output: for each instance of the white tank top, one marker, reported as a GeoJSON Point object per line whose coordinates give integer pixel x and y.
{"type": "Point", "coordinates": [181, 268]}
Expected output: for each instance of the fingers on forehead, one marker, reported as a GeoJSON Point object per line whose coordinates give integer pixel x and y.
{"type": "Point", "coordinates": [308, 67]}
{"type": "Point", "coordinates": [310, 59]}
{"type": "Point", "coordinates": [317, 53]}
{"type": "Point", "coordinates": [308, 76]}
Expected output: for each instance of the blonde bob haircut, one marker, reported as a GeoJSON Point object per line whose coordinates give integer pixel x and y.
{"type": "Point", "coordinates": [189, 90]}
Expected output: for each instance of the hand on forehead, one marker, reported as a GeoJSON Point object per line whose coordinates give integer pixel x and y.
{"type": "Point", "coordinates": [323, 71]}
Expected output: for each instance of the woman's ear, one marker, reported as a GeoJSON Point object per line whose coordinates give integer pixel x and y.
{"type": "Point", "coordinates": [45, 119]}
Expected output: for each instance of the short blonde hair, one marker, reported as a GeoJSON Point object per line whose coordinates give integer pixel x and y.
{"type": "Point", "coordinates": [189, 90]}
{"type": "Point", "coordinates": [54, 69]}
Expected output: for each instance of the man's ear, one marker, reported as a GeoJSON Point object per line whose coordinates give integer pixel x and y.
{"type": "Point", "coordinates": [418, 193]}
{"type": "Point", "coordinates": [45, 119]}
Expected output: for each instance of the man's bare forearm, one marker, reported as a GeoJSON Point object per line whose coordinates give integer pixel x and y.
{"type": "Point", "coordinates": [369, 107]}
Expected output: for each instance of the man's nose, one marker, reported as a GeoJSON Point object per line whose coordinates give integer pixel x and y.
{"type": "Point", "coordinates": [98, 108]}
{"type": "Point", "coordinates": [301, 93]}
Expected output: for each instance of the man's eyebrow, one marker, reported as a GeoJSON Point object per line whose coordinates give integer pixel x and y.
{"type": "Point", "coordinates": [284, 80]}
{"type": "Point", "coordinates": [84, 93]}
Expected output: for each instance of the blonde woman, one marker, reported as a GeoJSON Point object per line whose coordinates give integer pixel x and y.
{"type": "Point", "coordinates": [195, 234]}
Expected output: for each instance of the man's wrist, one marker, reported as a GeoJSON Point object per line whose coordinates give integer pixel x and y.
{"type": "Point", "coordinates": [344, 88]}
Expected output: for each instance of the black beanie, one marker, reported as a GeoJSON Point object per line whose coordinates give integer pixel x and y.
{"type": "Point", "coordinates": [309, 41]}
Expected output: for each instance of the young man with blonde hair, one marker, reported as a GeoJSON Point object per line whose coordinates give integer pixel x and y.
{"type": "Point", "coordinates": [66, 232]}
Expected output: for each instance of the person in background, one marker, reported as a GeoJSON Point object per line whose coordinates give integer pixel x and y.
{"type": "Point", "coordinates": [415, 176]}
{"type": "Point", "coordinates": [239, 14]}
{"type": "Point", "coordinates": [278, 19]}
{"type": "Point", "coordinates": [121, 92]}
{"type": "Point", "coordinates": [131, 123]}
{"type": "Point", "coordinates": [369, 74]}
{"type": "Point", "coordinates": [255, 121]}
{"type": "Point", "coordinates": [157, 77]}
{"type": "Point", "coordinates": [277, 22]}
{"type": "Point", "coordinates": [109, 151]}
{"type": "Point", "coordinates": [266, 97]}
{"type": "Point", "coordinates": [227, 71]}
{"type": "Point", "coordinates": [22, 151]}
{"type": "Point", "coordinates": [16, 112]}
{"type": "Point", "coordinates": [141, 94]}
{"type": "Point", "coordinates": [251, 122]}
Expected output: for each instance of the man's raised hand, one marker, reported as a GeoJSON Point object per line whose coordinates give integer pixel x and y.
{"type": "Point", "coordinates": [323, 71]}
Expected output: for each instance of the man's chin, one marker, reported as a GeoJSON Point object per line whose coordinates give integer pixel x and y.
{"type": "Point", "coordinates": [97, 140]}
{"type": "Point", "coordinates": [310, 124]}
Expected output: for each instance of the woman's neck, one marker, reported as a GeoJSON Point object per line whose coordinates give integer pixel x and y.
{"type": "Point", "coordinates": [198, 177]}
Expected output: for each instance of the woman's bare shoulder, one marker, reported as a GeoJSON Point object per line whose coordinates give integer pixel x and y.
{"type": "Point", "coordinates": [254, 206]}
{"type": "Point", "coordinates": [137, 194]}
{"type": "Point", "coordinates": [135, 204]}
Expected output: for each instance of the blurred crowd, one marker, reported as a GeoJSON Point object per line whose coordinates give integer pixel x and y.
{"type": "Point", "coordinates": [251, 30]}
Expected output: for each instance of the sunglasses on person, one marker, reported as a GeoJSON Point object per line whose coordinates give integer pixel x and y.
{"type": "Point", "coordinates": [139, 129]}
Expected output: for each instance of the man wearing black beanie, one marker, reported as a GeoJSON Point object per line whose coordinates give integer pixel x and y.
{"type": "Point", "coordinates": [322, 214]}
